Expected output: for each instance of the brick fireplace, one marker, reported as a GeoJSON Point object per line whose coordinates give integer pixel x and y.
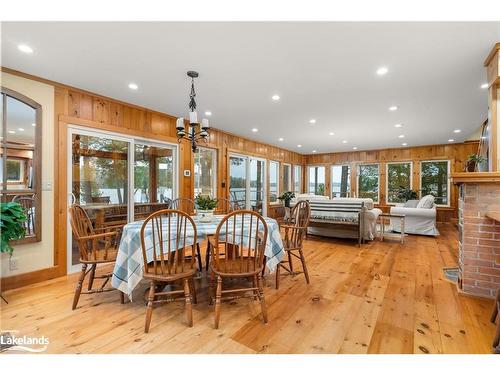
{"type": "Point", "coordinates": [479, 233]}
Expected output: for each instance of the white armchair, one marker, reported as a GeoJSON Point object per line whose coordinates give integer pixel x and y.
{"type": "Point", "coordinates": [420, 218]}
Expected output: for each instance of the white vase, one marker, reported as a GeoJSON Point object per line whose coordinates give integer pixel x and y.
{"type": "Point", "coordinates": [205, 216]}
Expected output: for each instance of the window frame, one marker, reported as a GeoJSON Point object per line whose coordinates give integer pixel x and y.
{"type": "Point", "coordinates": [278, 185]}
{"type": "Point", "coordinates": [289, 177]}
{"type": "Point", "coordinates": [448, 179]}
{"type": "Point", "coordinates": [216, 166]}
{"type": "Point", "coordinates": [378, 179]}
{"type": "Point", "coordinates": [36, 162]}
{"type": "Point", "coordinates": [308, 181]}
{"type": "Point", "coordinates": [349, 177]}
{"type": "Point", "coordinates": [387, 179]}
{"type": "Point", "coordinates": [295, 178]}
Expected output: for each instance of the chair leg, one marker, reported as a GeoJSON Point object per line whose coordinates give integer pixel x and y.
{"type": "Point", "coordinates": [304, 267]}
{"type": "Point", "coordinates": [92, 276]}
{"type": "Point", "coordinates": [198, 255]}
{"type": "Point", "coordinates": [496, 340]}
{"type": "Point", "coordinates": [79, 286]}
{"type": "Point", "coordinates": [211, 291]}
{"type": "Point", "coordinates": [218, 296]}
{"type": "Point", "coordinates": [193, 290]}
{"type": "Point", "coordinates": [207, 256]}
{"type": "Point", "coordinates": [494, 313]}
{"type": "Point", "coordinates": [290, 262]}
{"type": "Point", "coordinates": [149, 309]}
{"type": "Point", "coordinates": [254, 285]}
{"type": "Point", "coordinates": [189, 306]}
{"type": "Point", "coordinates": [261, 298]}
{"type": "Point", "coordinates": [278, 275]}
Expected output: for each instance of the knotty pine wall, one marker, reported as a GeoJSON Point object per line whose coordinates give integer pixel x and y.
{"type": "Point", "coordinates": [456, 153]}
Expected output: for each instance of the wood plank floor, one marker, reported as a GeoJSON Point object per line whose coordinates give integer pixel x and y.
{"type": "Point", "coordinates": [381, 298]}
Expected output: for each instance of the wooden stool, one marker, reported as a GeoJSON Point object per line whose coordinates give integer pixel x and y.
{"type": "Point", "coordinates": [494, 316]}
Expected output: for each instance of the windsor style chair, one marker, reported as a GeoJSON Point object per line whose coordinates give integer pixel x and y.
{"type": "Point", "coordinates": [168, 239]}
{"type": "Point", "coordinates": [96, 246]}
{"type": "Point", "coordinates": [237, 251]}
{"type": "Point", "coordinates": [295, 229]}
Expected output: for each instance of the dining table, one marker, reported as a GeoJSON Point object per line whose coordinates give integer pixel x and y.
{"type": "Point", "coordinates": [129, 266]}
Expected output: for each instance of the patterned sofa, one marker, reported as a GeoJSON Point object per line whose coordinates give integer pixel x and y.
{"type": "Point", "coordinates": [368, 219]}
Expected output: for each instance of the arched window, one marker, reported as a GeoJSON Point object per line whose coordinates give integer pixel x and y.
{"type": "Point", "coordinates": [21, 158]}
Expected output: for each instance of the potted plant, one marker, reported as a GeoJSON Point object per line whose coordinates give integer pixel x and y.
{"type": "Point", "coordinates": [12, 219]}
{"type": "Point", "coordinates": [407, 194]}
{"type": "Point", "coordinates": [473, 161]}
{"type": "Point", "coordinates": [205, 206]}
{"type": "Point", "coordinates": [287, 197]}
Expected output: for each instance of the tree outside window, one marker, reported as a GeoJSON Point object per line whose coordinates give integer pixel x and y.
{"type": "Point", "coordinates": [368, 181]}
{"type": "Point", "coordinates": [398, 178]}
{"type": "Point", "coordinates": [434, 180]}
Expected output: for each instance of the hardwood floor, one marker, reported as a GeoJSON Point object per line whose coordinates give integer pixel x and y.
{"type": "Point", "coordinates": [381, 298]}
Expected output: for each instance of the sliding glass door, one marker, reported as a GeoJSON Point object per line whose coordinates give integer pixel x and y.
{"type": "Point", "coordinates": [117, 179]}
{"type": "Point", "coordinates": [247, 182]}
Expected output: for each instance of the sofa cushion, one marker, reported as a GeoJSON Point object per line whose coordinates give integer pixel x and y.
{"type": "Point", "coordinates": [426, 202]}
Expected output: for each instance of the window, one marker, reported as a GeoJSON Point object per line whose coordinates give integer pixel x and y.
{"type": "Point", "coordinates": [274, 176]}
{"type": "Point", "coordinates": [316, 183]}
{"type": "Point", "coordinates": [205, 172]}
{"type": "Point", "coordinates": [434, 180]}
{"type": "Point", "coordinates": [20, 157]}
{"type": "Point", "coordinates": [341, 181]}
{"type": "Point", "coordinates": [368, 182]}
{"type": "Point", "coordinates": [287, 177]}
{"type": "Point", "coordinates": [398, 178]}
{"type": "Point", "coordinates": [297, 179]}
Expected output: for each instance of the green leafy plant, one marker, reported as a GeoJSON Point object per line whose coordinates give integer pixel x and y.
{"type": "Point", "coordinates": [12, 218]}
{"type": "Point", "coordinates": [407, 194]}
{"type": "Point", "coordinates": [474, 160]}
{"type": "Point", "coordinates": [205, 202]}
{"type": "Point", "coordinates": [287, 196]}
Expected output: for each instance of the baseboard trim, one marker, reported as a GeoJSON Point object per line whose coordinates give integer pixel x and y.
{"type": "Point", "coordinates": [24, 279]}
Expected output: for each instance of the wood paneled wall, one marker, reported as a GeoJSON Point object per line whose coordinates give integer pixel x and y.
{"type": "Point", "coordinates": [456, 153]}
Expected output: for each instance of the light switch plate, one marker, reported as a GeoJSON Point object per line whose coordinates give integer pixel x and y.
{"type": "Point", "coordinates": [187, 173]}
{"type": "Point", "coordinates": [47, 185]}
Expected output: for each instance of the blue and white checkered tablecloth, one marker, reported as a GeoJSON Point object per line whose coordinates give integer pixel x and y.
{"type": "Point", "coordinates": [129, 268]}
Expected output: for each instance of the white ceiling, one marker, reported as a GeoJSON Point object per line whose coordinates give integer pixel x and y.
{"type": "Point", "coordinates": [324, 71]}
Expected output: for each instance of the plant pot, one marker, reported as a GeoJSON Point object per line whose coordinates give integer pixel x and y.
{"type": "Point", "coordinates": [287, 202]}
{"type": "Point", "coordinates": [205, 216]}
{"type": "Point", "coordinates": [471, 166]}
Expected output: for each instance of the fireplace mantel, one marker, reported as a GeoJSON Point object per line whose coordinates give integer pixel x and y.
{"type": "Point", "coordinates": [475, 177]}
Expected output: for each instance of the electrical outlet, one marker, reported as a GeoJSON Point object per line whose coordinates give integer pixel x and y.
{"type": "Point", "coordinates": [13, 263]}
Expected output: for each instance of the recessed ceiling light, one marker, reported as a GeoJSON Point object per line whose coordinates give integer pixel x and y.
{"type": "Point", "coordinates": [312, 121]}
{"type": "Point", "coordinates": [20, 129]}
{"type": "Point", "coordinates": [484, 86]}
{"type": "Point", "coordinates": [393, 108]}
{"type": "Point", "coordinates": [25, 48]}
{"type": "Point", "coordinates": [208, 113]}
{"type": "Point", "coordinates": [331, 133]}
{"type": "Point", "coordinates": [33, 124]}
{"type": "Point", "coordinates": [354, 148]}
{"type": "Point", "coordinates": [401, 136]}
{"type": "Point", "coordinates": [255, 130]}
{"type": "Point", "coordinates": [12, 132]}
{"type": "Point", "coordinates": [456, 131]}
{"type": "Point", "coordinates": [344, 141]}
{"type": "Point", "coordinates": [382, 71]}
{"type": "Point", "coordinates": [398, 125]}
{"type": "Point", "coordinates": [133, 86]}
{"type": "Point", "coordinates": [281, 139]}
{"type": "Point", "coordinates": [451, 140]}
{"type": "Point", "coordinates": [404, 144]}
{"type": "Point", "coordinates": [314, 151]}
{"type": "Point", "coordinates": [275, 97]}
{"type": "Point", "coordinates": [299, 146]}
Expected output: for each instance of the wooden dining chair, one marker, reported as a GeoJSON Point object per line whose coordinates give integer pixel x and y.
{"type": "Point", "coordinates": [168, 239]}
{"type": "Point", "coordinates": [295, 228]}
{"type": "Point", "coordinates": [224, 206]}
{"type": "Point", "coordinates": [237, 250]}
{"type": "Point", "coordinates": [183, 204]}
{"type": "Point", "coordinates": [188, 206]}
{"type": "Point", "coordinates": [96, 246]}
{"type": "Point", "coordinates": [28, 203]}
